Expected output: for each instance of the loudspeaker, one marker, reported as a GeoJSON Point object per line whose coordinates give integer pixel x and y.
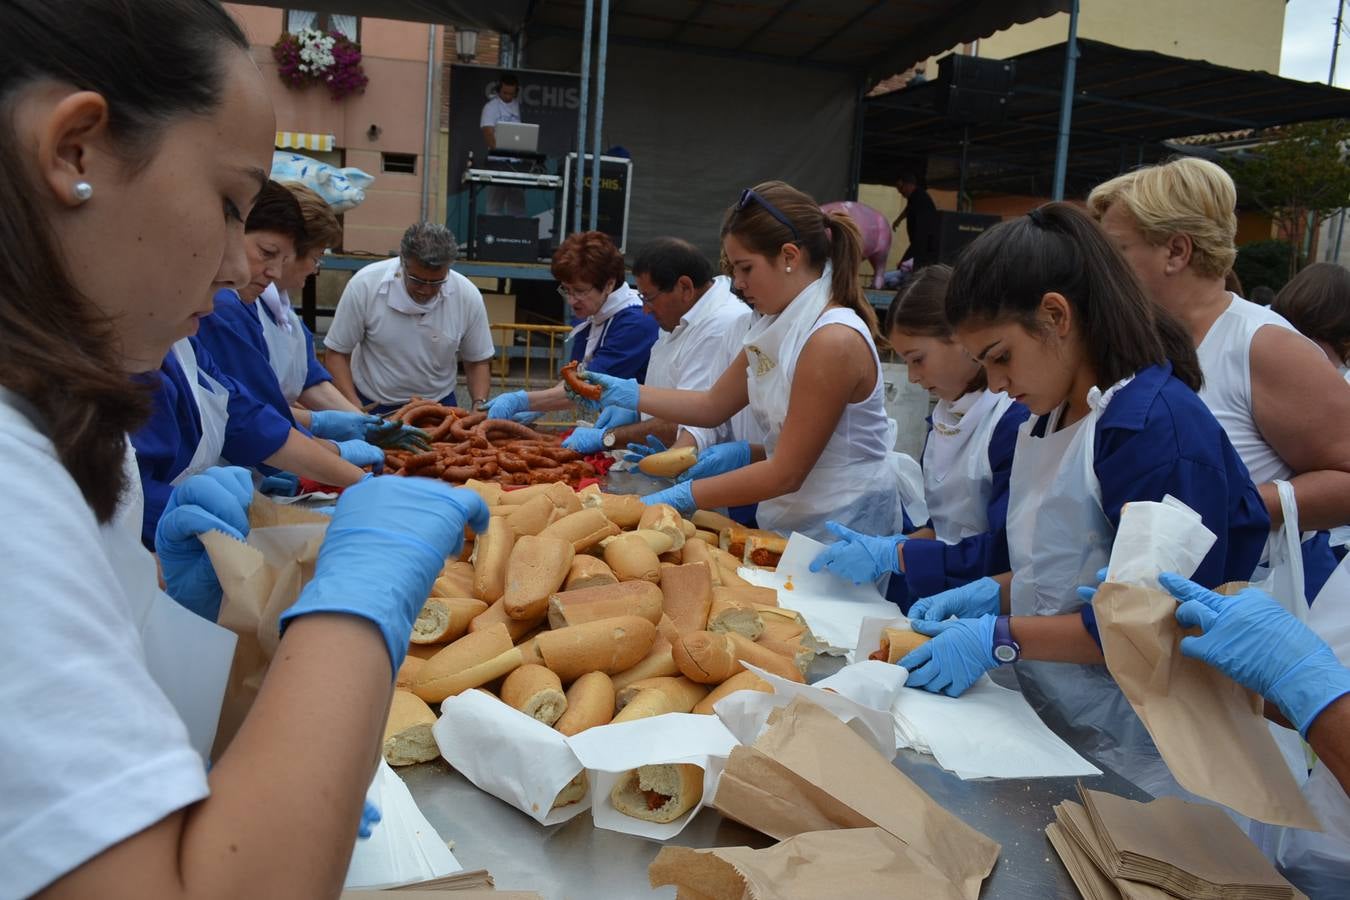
{"type": "Point", "coordinates": [978, 89]}
{"type": "Point", "coordinates": [507, 238]}
{"type": "Point", "coordinates": [956, 229]}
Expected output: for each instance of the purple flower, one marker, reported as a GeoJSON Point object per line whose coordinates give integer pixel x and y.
{"type": "Point", "coordinates": [343, 77]}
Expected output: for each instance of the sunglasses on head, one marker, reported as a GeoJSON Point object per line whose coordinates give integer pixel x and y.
{"type": "Point", "coordinates": [749, 196]}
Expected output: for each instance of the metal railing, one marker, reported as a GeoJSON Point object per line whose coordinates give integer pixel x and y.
{"type": "Point", "coordinates": [544, 351]}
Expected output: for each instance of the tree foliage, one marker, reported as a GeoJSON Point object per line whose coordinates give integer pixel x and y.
{"type": "Point", "coordinates": [1300, 176]}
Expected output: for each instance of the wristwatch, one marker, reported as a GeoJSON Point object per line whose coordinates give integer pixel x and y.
{"type": "Point", "coordinates": [608, 439]}
{"type": "Point", "coordinates": [1006, 649]}
{"type": "Point", "coordinates": [481, 405]}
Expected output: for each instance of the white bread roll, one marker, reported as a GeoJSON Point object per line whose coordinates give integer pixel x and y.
{"type": "Point", "coordinates": [470, 662]}
{"type": "Point", "coordinates": [424, 652]}
{"type": "Point", "coordinates": [495, 614]}
{"type": "Point", "coordinates": [668, 463]}
{"type": "Point", "coordinates": [660, 793]}
{"type": "Point", "coordinates": [764, 550]}
{"type": "Point", "coordinates": [588, 571]}
{"type": "Point", "coordinates": [590, 702]}
{"type": "Point", "coordinates": [897, 642]}
{"type": "Point", "coordinates": [741, 681]}
{"type": "Point", "coordinates": [687, 593]}
{"type": "Point", "coordinates": [490, 491]}
{"type": "Point", "coordinates": [490, 554]}
{"type": "Point", "coordinates": [801, 655]}
{"type": "Point", "coordinates": [532, 516]}
{"type": "Point", "coordinates": [574, 791]}
{"type": "Point", "coordinates": [407, 672]}
{"type": "Point", "coordinates": [708, 520]}
{"type": "Point", "coordinates": [536, 692]}
{"type": "Point", "coordinates": [444, 619]}
{"type": "Point", "coordinates": [520, 495]}
{"type": "Point", "coordinates": [631, 558]}
{"type": "Point", "coordinates": [747, 651]}
{"type": "Point", "coordinates": [624, 510]}
{"type": "Point", "coordinates": [583, 529]}
{"type": "Point", "coordinates": [743, 594]}
{"type": "Point", "coordinates": [666, 519]}
{"type": "Point", "coordinates": [681, 694]}
{"type": "Point", "coordinates": [729, 615]}
{"type": "Point", "coordinates": [536, 568]}
{"type": "Point", "coordinates": [455, 580]}
{"type": "Point", "coordinates": [407, 731]}
{"type": "Point", "coordinates": [624, 598]}
{"type": "Point", "coordinates": [657, 662]}
{"type": "Point", "coordinates": [606, 645]}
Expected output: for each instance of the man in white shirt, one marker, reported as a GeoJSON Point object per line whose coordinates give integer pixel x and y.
{"type": "Point", "coordinates": [502, 107]}
{"type": "Point", "coordinates": [403, 325]}
{"type": "Point", "coordinates": [702, 324]}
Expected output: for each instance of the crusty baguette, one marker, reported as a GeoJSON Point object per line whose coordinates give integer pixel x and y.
{"type": "Point", "coordinates": [896, 643]}
{"type": "Point", "coordinates": [490, 491]}
{"type": "Point", "coordinates": [687, 593]}
{"type": "Point", "coordinates": [668, 463]}
{"type": "Point", "coordinates": [490, 554]}
{"type": "Point", "coordinates": [624, 598]}
{"type": "Point", "coordinates": [658, 661]}
{"type": "Point", "coordinates": [469, 662]}
{"type": "Point", "coordinates": [532, 516]}
{"type": "Point", "coordinates": [588, 571]}
{"type": "Point", "coordinates": [707, 537]}
{"type": "Point", "coordinates": [666, 519]}
{"type": "Point", "coordinates": [624, 510]}
{"type": "Point", "coordinates": [746, 593]}
{"type": "Point", "coordinates": [698, 551]}
{"type": "Point", "coordinates": [563, 497]}
{"type": "Point", "coordinates": [732, 538]}
{"type": "Point", "coordinates": [424, 651]}
{"type": "Point", "coordinates": [496, 615]}
{"type": "Point", "coordinates": [706, 657]}
{"type": "Point", "coordinates": [708, 520]}
{"type": "Point", "coordinates": [731, 615]}
{"type": "Point", "coordinates": [537, 567]}
{"type": "Point", "coordinates": [681, 693]}
{"type": "Point", "coordinates": [520, 495]}
{"type": "Point", "coordinates": [632, 558]}
{"type": "Point", "coordinates": [535, 691]}
{"type": "Point", "coordinates": [747, 651]}
{"type": "Point", "coordinates": [764, 550]}
{"type": "Point", "coordinates": [455, 580]}
{"type": "Point", "coordinates": [444, 619]}
{"type": "Point", "coordinates": [407, 731]}
{"type": "Point", "coordinates": [407, 672]}
{"type": "Point", "coordinates": [726, 567]}
{"type": "Point", "coordinates": [659, 793]}
{"type": "Point", "coordinates": [606, 645]}
{"type": "Point", "coordinates": [590, 702]}
{"type": "Point", "coordinates": [741, 681]}
{"type": "Point", "coordinates": [644, 705]}
{"type": "Point", "coordinates": [583, 529]}
{"type": "Point", "coordinates": [801, 655]}
{"type": "Point", "coordinates": [574, 791]}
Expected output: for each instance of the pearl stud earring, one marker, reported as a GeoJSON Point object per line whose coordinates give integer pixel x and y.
{"type": "Point", "coordinates": [83, 190]}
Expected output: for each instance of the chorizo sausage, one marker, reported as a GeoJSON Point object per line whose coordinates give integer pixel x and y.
{"type": "Point", "coordinates": [578, 385]}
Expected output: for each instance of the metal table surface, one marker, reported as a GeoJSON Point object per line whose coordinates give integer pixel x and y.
{"type": "Point", "coordinates": [577, 861]}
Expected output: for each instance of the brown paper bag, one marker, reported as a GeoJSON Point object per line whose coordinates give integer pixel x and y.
{"type": "Point", "coordinates": [1207, 727]}
{"type": "Point", "coordinates": [260, 579]}
{"type": "Point", "coordinates": [785, 785]}
{"type": "Point", "coordinates": [844, 863]}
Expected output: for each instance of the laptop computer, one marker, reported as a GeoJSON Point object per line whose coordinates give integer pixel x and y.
{"type": "Point", "coordinates": [519, 136]}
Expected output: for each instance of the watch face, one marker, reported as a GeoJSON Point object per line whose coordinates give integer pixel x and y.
{"type": "Point", "coordinates": [1004, 653]}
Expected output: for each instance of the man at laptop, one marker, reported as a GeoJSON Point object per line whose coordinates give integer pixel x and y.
{"type": "Point", "coordinates": [503, 107]}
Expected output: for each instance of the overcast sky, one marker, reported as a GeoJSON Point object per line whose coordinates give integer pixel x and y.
{"type": "Point", "coordinates": [1309, 26]}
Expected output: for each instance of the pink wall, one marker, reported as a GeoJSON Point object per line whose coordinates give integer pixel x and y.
{"type": "Point", "coordinates": [394, 57]}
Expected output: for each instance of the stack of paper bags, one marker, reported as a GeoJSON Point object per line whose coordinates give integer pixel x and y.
{"type": "Point", "coordinates": [809, 772]}
{"type": "Point", "coordinates": [1118, 848]}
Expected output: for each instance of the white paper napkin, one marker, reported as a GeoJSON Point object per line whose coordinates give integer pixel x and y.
{"type": "Point", "coordinates": [833, 608]}
{"type": "Point", "coordinates": [403, 848]}
{"type": "Point", "coordinates": [510, 755]}
{"type": "Point", "coordinates": [1156, 537]}
{"type": "Point", "coordinates": [610, 751]}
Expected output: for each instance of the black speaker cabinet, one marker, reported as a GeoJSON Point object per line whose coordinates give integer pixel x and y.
{"type": "Point", "coordinates": [978, 89]}
{"type": "Point", "coordinates": [507, 238]}
{"type": "Point", "coordinates": [956, 229]}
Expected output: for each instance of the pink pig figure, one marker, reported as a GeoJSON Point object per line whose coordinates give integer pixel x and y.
{"type": "Point", "coordinates": [876, 234]}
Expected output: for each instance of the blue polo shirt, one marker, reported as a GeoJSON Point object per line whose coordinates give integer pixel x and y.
{"type": "Point", "coordinates": [233, 336]}
{"type": "Point", "coordinates": [625, 346]}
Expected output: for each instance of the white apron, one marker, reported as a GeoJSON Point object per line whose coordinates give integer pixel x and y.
{"type": "Point", "coordinates": [286, 349]}
{"type": "Point", "coordinates": [861, 494]}
{"type": "Point", "coordinates": [212, 408]}
{"type": "Point", "coordinates": [187, 656]}
{"type": "Point", "coordinates": [956, 472]}
{"type": "Point", "coordinates": [1058, 538]}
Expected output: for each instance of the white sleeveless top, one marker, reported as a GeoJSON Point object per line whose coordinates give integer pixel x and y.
{"type": "Point", "coordinates": [862, 431]}
{"type": "Point", "coordinates": [1225, 359]}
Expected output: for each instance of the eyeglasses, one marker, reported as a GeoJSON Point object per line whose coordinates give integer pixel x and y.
{"type": "Point", "coordinates": [422, 282]}
{"type": "Point", "coordinates": [568, 294]}
{"type": "Point", "coordinates": [748, 196]}
{"type": "Point", "coordinates": [649, 299]}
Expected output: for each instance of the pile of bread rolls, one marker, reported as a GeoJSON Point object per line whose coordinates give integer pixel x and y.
{"type": "Point", "coordinates": [585, 608]}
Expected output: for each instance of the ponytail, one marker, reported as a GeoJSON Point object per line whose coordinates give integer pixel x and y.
{"type": "Point", "coordinates": [846, 258]}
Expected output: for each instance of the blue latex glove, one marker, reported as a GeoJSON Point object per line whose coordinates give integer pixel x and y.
{"type": "Point", "coordinates": [1253, 640]}
{"type": "Point", "coordinates": [620, 392]}
{"type": "Point", "coordinates": [969, 601]}
{"type": "Point", "coordinates": [335, 425]}
{"type": "Point", "coordinates": [859, 558]}
{"type": "Point", "coordinates": [282, 484]}
{"type": "Point", "coordinates": [361, 454]}
{"type": "Point", "coordinates": [387, 543]}
{"type": "Point", "coordinates": [370, 817]}
{"type": "Point", "coordinates": [681, 496]}
{"type": "Point", "coordinates": [639, 452]}
{"type": "Point", "coordinates": [585, 440]}
{"type": "Point", "coordinates": [513, 405]}
{"type": "Point", "coordinates": [958, 654]}
{"type": "Point", "coordinates": [217, 499]}
{"type": "Point", "coordinates": [717, 460]}
{"type": "Point", "coordinates": [616, 417]}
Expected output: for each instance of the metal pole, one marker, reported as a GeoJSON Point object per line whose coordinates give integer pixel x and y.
{"type": "Point", "coordinates": [1340, 233]}
{"type": "Point", "coordinates": [1066, 104]}
{"type": "Point", "coordinates": [603, 54]}
{"type": "Point", "coordinates": [855, 153]}
{"type": "Point", "coordinates": [578, 174]}
{"type": "Point", "coordinates": [429, 137]}
{"type": "Point", "coordinates": [961, 176]}
{"type": "Point", "coordinates": [1336, 42]}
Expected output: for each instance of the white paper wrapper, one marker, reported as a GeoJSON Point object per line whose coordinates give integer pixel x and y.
{"type": "Point", "coordinates": [745, 713]}
{"type": "Point", "coordinates": [610, 751]}
{"type": "Point", "coordinates": [987, 732]}
{"type": "Point", "coordinates": [508, 754]}
{"type": "Point", "coordinates": [869, 632]}
{"type": "Point", "coordinates": [1156, 537]}
{"type": "Point", "coordinates": [403, 848]}
{"type": "Point", "coordinates": [833, 608]}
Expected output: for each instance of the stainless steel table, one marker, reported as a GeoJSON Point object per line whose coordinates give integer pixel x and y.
{"type": "Point", "coordinates": [578, 861]}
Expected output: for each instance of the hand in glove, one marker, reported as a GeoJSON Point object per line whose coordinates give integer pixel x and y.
{"type": "Point", "coordinates": [681, 496]}
{"type": "Point", "coordinates": [969, 601]}
{"type": "Point", "coordinates": [718, 460]}
{"type": "Point", "coordinates": [638, 452]}
{"type": "Point", "coordinates": [585, 440]}
{"type": "Point", "coordinates": [616, 417]}
{"type": "Point", "coordinates": [387, 543]}
{"type": "Point", "coordinates": [361, 454]}
{"type": "Point", "coordinates": [370, 817]}
{"type": "Point", "coordinates": [336, 425]}
{"type": "Point", "coordinates": [958, 654]}
{"type": "Point", "coordinates": [282, 484]}
{"type": "Point", "coordinates": [1257, 643]}
{"type": "Point", "coordinates": [514, 405]}
{"type": "Point", "coordinates": [859, 558]}
{"type": "Point", "coordinates": [217, 499]}
{"type": "Point", "coordinates": [620, 392]}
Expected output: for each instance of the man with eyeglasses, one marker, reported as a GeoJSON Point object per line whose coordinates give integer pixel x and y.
{"type": "Point", "coordinates": [403, 326]}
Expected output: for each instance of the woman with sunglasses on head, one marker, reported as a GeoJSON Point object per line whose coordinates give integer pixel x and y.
{"type": "Point", "coordinates": [137, 140]}
{"type": "Point", "coordinates": [1058, 321]}
{"type": "Point", "coordinates": [614, 334]}
{"type": "Point", "coordinates": [809, 372]}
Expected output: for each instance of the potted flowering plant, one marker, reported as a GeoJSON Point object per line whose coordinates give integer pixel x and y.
{"type": "Point", "coordinates": [312, 57]}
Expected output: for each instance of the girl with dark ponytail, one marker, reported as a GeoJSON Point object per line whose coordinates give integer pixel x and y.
{"type": "Point", "coordinates": [1056, 318]}
{"type": "Point", "coordinates": [809, 373]}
